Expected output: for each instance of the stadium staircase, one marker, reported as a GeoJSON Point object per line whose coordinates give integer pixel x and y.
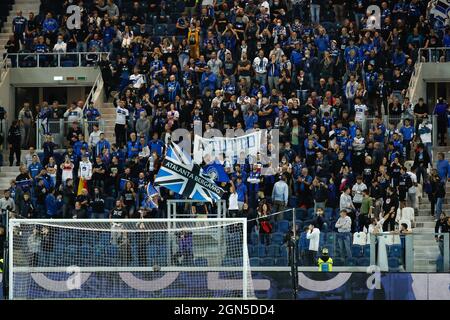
{"type": "Point", "coordinates": [108, 113]}
{"type": "Point", "coordinates": [426, 250]}
{"type": "Point", "coordinates": [26, 6]}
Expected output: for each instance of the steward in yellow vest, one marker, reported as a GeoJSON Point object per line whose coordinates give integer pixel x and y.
{"type": "Point", "coordinates": [325, 262]}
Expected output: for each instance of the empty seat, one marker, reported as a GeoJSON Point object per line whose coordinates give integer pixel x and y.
{"type": "Point", "coordinates": [281, 262]}
{"type": "Point", "coordinates": [287, 215]}
{"type": "Point", "coordinates": [261, 250]}
{"type": "Point", "coordinates": [339, 262]}
{"type": "Point", "coordinates": [367, 251]}
{"type": "Point", "coordinates": [273, 250]}
{"type": "Point", "coordinates": [328, 213]}
{"type": "Point", "coordinates": [310, 213]}
{"type": "Point", "coordinates": [171, 29]}
{"type": "Point", "coordinates": [267, 262]}
{"type": "Point", "coordinates": [395, 250]}
{"type": "Point", "coordinates": [252, 252]}
{"type": "Point", "coordinates": [351, 262]}
{"type": "Point", "coordinates": [301, 214]}
{"type": "Point", "coordinates": [357, 250]}
{"type": "Point", "coordinates": [394, 264]}
{"type": "Point", "coordinates": [293, 201]}
{"type": "Point", "coordinates": [277, 238]}
{"type": "Point", "coordinates": [283, 226]}
{"type": "Point", "coordinates": [254, 238]}
{"type": "Point", "coordinates": [363, 262]}
{"type": "Point", "coordinates": [160, 30]}
{"type": "Point", "coordinates": [254, 262]}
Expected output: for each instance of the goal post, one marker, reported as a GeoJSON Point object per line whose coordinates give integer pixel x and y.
{"type": "Point", "coordinates": [132, 258]}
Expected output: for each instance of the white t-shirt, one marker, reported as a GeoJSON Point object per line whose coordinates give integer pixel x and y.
{"type": "Point", "coordinates": [85, 170]}
{"type": "Point", "coordinates": [426, 137]}
{"type": "Point", "coordinates": [233, 202]}
{"type": "Point", "coordinates": [314, 238]}
{"type": "Point", "coordinates": [121, 115]}
{"type": "Point", "coordinates": [357, 190]}
{"type": "Point", "coordinates": [138, 80]}
{"type": "Point", "coordinates": [360, 112]}
{"type": "Point", "coordinates": [414, 181]}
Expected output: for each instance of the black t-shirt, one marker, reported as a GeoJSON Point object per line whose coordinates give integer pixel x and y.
{"type": "Point", "coordinates": [118, 213]}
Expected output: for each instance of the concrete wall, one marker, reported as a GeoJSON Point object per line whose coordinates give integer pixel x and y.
{"type": "Point", "coordinates": [431, 72]}
{"type": "Point", "coordinates": [36, 77]}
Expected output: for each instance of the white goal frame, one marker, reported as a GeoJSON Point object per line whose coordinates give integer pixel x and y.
{"type": "Point", "coordinates": [243, 221]}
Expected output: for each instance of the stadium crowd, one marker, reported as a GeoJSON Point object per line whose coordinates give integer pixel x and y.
{"type": "Point", "coordinates": [334, 86]}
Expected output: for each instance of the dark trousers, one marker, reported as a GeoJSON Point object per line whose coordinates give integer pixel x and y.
{"type": "Point", "coordinates": [120, 133]}
{"type": "Point", "coordinates": [15, 149]}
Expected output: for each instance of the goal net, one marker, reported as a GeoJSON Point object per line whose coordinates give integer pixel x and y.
{"type": "Point", "coordinates": [135, 258]}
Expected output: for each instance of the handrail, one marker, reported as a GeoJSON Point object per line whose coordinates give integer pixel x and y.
{"type": "Point", "coordinates": [3, 67]}
{"type": "Point", "coordinates": [429, 56]}
{"type": "Point", "coordinates": [14, 57]}
{"type": "Point", "coordinates": [98, 84]}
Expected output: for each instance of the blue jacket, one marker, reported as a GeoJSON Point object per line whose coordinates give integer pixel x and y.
{"type": "Point", "coordinates": [34, 169]}
{"type": "Point", "coordinates": [250, 121]}
{"type": "Point", "coordinates": [208, 80]}
{"type": "Point", "coordinates": [443, 168]}
{"type": "Point", "coordinates": [51, 205]}
{"type": "Point", "coordinates": [50, 25]}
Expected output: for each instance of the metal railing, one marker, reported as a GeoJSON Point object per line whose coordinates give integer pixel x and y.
{"type": "Point", "coordinates": [439, 54]}
{"type": "Point", "coordinates": [59, 128]}
{"type": "Point", "coordinates": [3, 68]}
{"type": "Point", "coordinates": [54, 59]}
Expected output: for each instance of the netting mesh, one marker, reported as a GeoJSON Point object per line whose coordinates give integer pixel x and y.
{"type": "Point", "coordinates": [180, 258]}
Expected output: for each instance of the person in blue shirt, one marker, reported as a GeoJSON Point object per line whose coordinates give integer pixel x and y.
{"type": "Point", "coordinates": [441, 110]}
{"type": "Point", "coordinates": [322, 41]}
{"type": "Point", "coordinates": [173, 88]}
{"type": "Point", "coordinates": [108, 35]}
{"type": "Point", "coordinates": [50, 26]}
{"type": "Point", "coordinates": [408, 132]}
{"type": "Point", "coordinates": [242, 191]}
{"type": "Point", "coordinates": [41, 47]}
{"type": "Point", "coordinates": [443, 167]}
{"type": "Point", "coordinates": [91, 113]}
{"type": "Point", "coordinates": [156, 145]}
{"type": "Point", "coordinates": [208, 80]}
{"type": "Point", "coordinates": [250, 118]}
{"type": "Point", "coordinates": [53, 204]}
{"type": "Point", "coordinates": [80, 144]}
{"type": "Point", "coordinates": [132, 146]}
{"type": "Point", "coordinates": [102, 144]}
{"type": "Point", "coordinates": [398, 58]}
{"type": "Point", "coordinates": [95, 44]}
{"type": "Point", "coordinates": [35, 167]}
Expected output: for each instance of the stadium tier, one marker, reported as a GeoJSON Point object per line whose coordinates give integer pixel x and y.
{"type": "Point", "coordinates": [212, 140]}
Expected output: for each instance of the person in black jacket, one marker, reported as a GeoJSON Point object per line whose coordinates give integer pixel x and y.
{"type": "Point", "coordinates": [14, 141]}
{"type": "Point", "coordinates": [98, 204]}
{"type": "Point", "coordinates": [442, 226]}
{"type": "Point", "coordinates": [390, 207]}
{"type": "Point", "coordinates": [421, 161]}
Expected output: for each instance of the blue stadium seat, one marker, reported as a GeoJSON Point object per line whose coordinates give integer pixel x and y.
{"type": "Point", "coordinates": [328, 213]}
{"type": "Point", "coordinates": [287, 215]}
{"type": "Point", "coordinates": [110, 203]}
{"type": "Point", "coordinates": [201, 262]}
{"type": "Point", "coordinates": [228, 262]}
{"type": "Point", "coordinates": [180, 6]}
{"type": "Point", "coordinates": [301, 214]}
{"type": "Point", "coordinates": [330, 238]}
{"type": "Point", "coordinates": [273, 250]}
{"type": "Point", "coordinates": [283, 226]}
{"type": "Point", "coordinates": [261, 250]}
{"type": "Point", "coordinates": [351, 262]}
{"type": "Point", "coordinates": [310, 213]}
{"type": "Point", "coordinates": [367, 251]}
{"type": "Point", "coordinates": [254, 262]}
{"type": "Point", "coordinates": [160, 30]}
{"type": "Point", "coordinates": [363, 262]}
{"type": "Point", "coordinates": [254, 238]}
{"type": "Point", "coordinates": [339, 262]}
{"type": "Point", "coordinates": [267, 262]}
{"type": "Point", "coordinates": [152, 254]}
{"type": "Point", "coordinates": [67, 63]}
{"type": "Point", "coordinates": [394, 264]}
{"type": "Point", "coordinates": [252, 252]}
{"type": "Point", "coordinates": [357, 250]}
{"type": "Point", "coordinates": [171, 29]}
{"type": "Point", "coordinates": [283, 252]}
{"type": "Point", "coordinates": [281, 262]}
{"type": "Point", "coordinates": [293, 201]}
{"type": "Point", "coordinates": [277, 238]}
{"type": "Point", "coordinates": [395, 251]}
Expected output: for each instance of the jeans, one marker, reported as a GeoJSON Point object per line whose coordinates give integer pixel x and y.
{"type": "Point", "coordinates": [81, 47]}
{"type": "Point", "coordinates": [421, 171]}
{"type": "Point", "coordinates": [315, 13]}
{"type": "Point", "coordinates": [261, 77]}
{"type": "Point", "coordinates": [344, 243]}
{"type": "Point", "coordinates": [273, 82]}
{"type": "Point", "coordinates": [438, 207]}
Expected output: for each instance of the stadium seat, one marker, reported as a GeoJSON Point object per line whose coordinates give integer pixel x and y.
{"type": "Point", "coordinates": [301, 214]}
{"type": "Point", "coordinates": [330, 239]}
{"type": "Point", "coordinates": [152, 254]}
{"type": "Point", "coordinates": [267, 262]}
{"type": "Point", "coordinates": [395, 250]}
{"type": "Point", "coordinates": [261, 250]}
{"type": "Point", "coordinates": [277, 238]}
{"type": "Point", "coordinates": [283, 226]}
{"type": "Point", "coordinates": [287, 215]}
{"type": "Point", "coordinates": [351, 262]}
{"type": "Point", "coordinates": [310, 214]}
{"type": "Point", "coordinates": [357, 250]}
{"type": "Point", "coordinates": [109, 203]}
{"type": "Point", "coordinates": [281, 262]}
{"type": "Point", "coordinates": [339, 262]}
{"type": "Point", "coordinates": [360, 238]}
{"type": "Point", "coordinates": [228, 262]}
{"type": "Point", "coordinates": [293, 201]}
{"type": "Point", "coordinates": [160, 30]}
{"type": "Point", "coordinates": [328, 213]}
{"type": "Point", "coordinates": [367, 251]}
{"type": "Point", "coordinates": [254, 238]}
{"type": "Point", "coordinates": [363, 262]}
{"type": "Point", "coordinates": [394, 264]}
{"type": "Point", "coordinates": [283, 252]}
{"type": "Point", "coordinates": [171, 29]}
{"type": "Point", "coordinates": [254, 262]}
{"type": "Point", "coordinates": [252, 252]}
{"type": "Point", "coordinates": [273, 250]}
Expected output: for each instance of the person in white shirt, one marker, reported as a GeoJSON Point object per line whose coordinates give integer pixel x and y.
{"type": "Point", "coordinates": [74, 113]}
{"type": "Point", "coordinates": [360, 113]}
{"type": "Point", "coordinates": [233, 207]}
{"type": "Point", "coordinates": [411, 195]}
{"type": "Point", "coordinates": [137, 79]}
{"type": "Point", "coordinates": [85, 170]}
{"type": "Point", "coordinates": [260, 66]}
{"type": "Point", "coordinates": [94, 137]}
{"type": "Point", "coordinates": [313, 236]}
{"type": "Point", "coordinates": [345, 201]}
{"type": "Point", "coordinates": [425, 128]}
{"type": "Point", "coordinates": [357, 190]}
{"type": "Point", "coordinates": [122, 114]}
{"type": "Point", "coordinates": [60, 46]}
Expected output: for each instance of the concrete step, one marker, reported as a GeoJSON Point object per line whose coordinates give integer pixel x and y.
{"type": "Point", "coordinates": [424, 218]}
{"type": "Point", "coordinates": [425, 269]}
{"type": "Point", "coordinates": [424, 263]}
{"type": "Point", "coordinates": [9, 169]}
{"type": "Point", "coordinates": [429, 224]}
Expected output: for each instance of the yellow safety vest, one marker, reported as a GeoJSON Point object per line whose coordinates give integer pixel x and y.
{"type": "Point", "coordinates": [325, 266]}
{"type": "Point", "coordinates": [1, 265]}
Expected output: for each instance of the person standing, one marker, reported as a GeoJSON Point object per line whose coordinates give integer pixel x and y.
{"type": "Point", "coordinates": [344, 226]}
{"type": "Point", "coordinates": [313, 235]}
{"type": "Point", "coordinates": [122, 114]}
{"type": "Point", "coordinates": [390, 207]}
{"type": "Point", "coordinates": [14, 142]}
{"type": "Point", "coordinates": [280, 195]}
{"type": "Point", "coordinates": [26, 122]}
{"type": "Point", "coordinates": [441, 110]}
{"type": "Point", "coordinates": [421, 162]}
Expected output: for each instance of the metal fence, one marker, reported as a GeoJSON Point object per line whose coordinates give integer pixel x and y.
{"type": "Point", "coordinates": [438, 54]}
{"type": "Point", "coordinates": [42, 60]}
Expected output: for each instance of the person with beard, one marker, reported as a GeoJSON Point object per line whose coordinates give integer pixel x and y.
{"type": "Point", "coordinates": [390, 207]}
